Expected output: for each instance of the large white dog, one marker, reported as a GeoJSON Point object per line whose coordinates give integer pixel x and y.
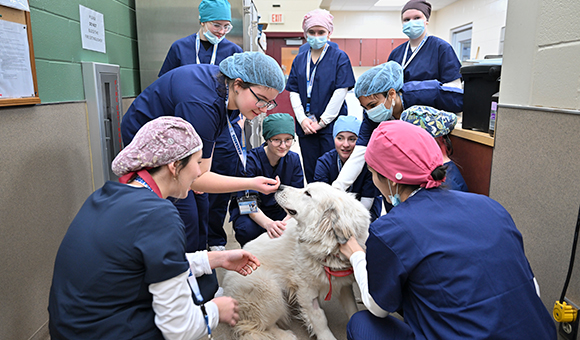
{"type": "Point", "coordinates": [302, 266]}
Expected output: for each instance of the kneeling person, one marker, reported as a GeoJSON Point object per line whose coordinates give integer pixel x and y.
{"type": "Point", "coordinates": [329, 165]}
{"type": "Point", "coordinates": [254, 213]}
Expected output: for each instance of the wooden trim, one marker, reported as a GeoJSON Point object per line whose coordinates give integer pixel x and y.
{"type": "Point", "coordinates": [22, 17]}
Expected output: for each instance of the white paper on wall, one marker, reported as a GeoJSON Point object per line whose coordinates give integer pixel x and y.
{"type": "Point", "coordinates": [92, 30]}
{"type": "Point", "coordinates": [15, 71]}
{"type": "Point", "coordinates": [18, 4]}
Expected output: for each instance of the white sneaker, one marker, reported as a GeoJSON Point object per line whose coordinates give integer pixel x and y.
{"type": "Point", "coordinates": [217, 248]}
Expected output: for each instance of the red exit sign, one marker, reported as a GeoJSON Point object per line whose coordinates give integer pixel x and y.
{"type": "Point", "coordinates": [277, 18]}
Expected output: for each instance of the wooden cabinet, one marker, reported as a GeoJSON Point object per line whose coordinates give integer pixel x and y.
{"type": "Point", "coordinates": [368, 52]}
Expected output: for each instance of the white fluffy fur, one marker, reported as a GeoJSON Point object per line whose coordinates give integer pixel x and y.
{"type": "Point", "coordinates": [292, 273]}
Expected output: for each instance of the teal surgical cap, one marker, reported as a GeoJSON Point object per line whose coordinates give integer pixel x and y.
{"type": "Point", "coordinates": [380, 79]}
{"type": "Point", "coordinates": [346, 123]}
{"type": "Point", "coordinates": [255, 68]}
{"type": "Point", "coordinates": [211, 10]}
{"type": "Point", "coordinates": [276, 124]}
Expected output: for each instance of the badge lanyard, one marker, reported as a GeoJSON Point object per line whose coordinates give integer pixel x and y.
{"type": "Point", "coordinates": [240, 147]}
{"type": "Point", "coordinates": [309, 78]}
{"type": "Point", "coordinates": [213, 55]}
{"type": "Point", "coordinates": [405, 62]}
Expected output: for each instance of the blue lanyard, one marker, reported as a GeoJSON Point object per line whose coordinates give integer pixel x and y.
{"type": "Point", "coordinates": [309, 78]}
{"type": "Point", "coordinates": [213, 55]}
{"type": "Point", "coordinates": [240, 148]}
{"type": "Point", "coordinates": [195, 288]}
{"type": "Point", "coordinates": [405, 62]}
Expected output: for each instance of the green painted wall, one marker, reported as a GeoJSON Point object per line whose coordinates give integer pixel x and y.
{"type": "Point", "coordinates": [58, 49]}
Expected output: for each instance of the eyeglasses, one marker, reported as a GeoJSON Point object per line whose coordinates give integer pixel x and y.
{"type": "Point", "coordinates": [278, 142]}
{"type": "Point", "coordinates": [262, 103]}
{"type": "Point", "coordinates": [217, 27]}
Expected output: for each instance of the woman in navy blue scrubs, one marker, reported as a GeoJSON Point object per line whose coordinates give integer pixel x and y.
{"type": "Point", "coordinates": [208, 45]}
{"type": "Point", "coordinates": [452, 261]}
{"type": "Point", "coordinates": [272, 159]}
{"type": "Point", "coordinates": [429, 62]}
{"type": "Point", "coordinates": [318, 83]}
{"type": "Point", "coordinates": [329, 165]}
{"type": "Point", "coordinates": [207, 96]}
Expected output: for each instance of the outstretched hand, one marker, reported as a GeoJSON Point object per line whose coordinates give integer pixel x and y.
{"type": "Point", "coordinates": [238, 260]}
{"type": "Point", "coordinates": [266, 185]}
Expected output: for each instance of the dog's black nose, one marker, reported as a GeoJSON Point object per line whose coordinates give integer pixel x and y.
{"type": "Point", "coordinates": [281, 187]}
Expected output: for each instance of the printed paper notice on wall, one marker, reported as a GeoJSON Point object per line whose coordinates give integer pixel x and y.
{"type": "Point", "coordinates": [92, 30]}
{"type": "Point", "coordinates": [15, 72]}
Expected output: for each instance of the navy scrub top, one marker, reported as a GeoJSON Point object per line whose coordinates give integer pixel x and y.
{"type": "Point", "coordinates": [455, 263]}
{"type": "Point", "coordinates": [122, 240]}
{"type": "Point", "coordinates": [289, 169]}
{"type": "Point", "coordinates": [191, 92]}
{"type": "Point", "coordinates": [183, 52]}
{"type": "Point", "coordinates": [334, 72]}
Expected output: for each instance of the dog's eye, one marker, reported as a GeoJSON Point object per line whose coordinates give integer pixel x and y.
{"type": "Point", "coordinates": [307, 194]}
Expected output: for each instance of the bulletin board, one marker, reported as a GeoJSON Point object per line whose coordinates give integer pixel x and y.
{"type": "Point", "coordinates": [20, 69]}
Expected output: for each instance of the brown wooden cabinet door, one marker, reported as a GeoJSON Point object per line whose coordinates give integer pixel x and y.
{"type": "Point", "coordinates": [352, 48]}
{"type": "Point", "coordinates": [368, 52]}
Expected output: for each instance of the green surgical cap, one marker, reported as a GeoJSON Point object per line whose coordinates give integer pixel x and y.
{"type": "Point", "coordinates": [256, 68]}
{"type": "Point", "coordinates": [379, 79]}
{"type": "Point", "coordinates": [276, 124]}
{"type": "Point", "coordinates": [211, 10]}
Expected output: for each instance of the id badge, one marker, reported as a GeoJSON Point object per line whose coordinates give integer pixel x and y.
{"type": "Point", "coordinates": [248, 204]}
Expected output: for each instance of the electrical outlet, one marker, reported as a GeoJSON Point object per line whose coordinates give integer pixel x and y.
{"type": "Point", "coordinates": [569, 330]}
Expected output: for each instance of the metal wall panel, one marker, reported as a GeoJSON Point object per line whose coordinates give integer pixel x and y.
{"type": "Point", "coordinates": [161, 22]}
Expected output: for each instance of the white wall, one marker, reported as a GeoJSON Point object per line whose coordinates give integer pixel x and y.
{"type": "Point", "coordinates": [546, 39]}
{"type": "Point", "coordinates": [367, 25]}
{"type": "Point", "coordinates": [487, 17]}
{"type": "Point", "coordinates": [293, 11]}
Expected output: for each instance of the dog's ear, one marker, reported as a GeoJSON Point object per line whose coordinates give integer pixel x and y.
{"type": "Point", "coordinates": [330, 222]}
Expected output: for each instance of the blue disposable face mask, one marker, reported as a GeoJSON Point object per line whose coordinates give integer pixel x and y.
{"type": "Point", "coordinates": [316, 42]}
{"type": "Point", "coordinates": [212, 38]}
{"type": "Point", "coordinates": [414, 28]}
{"type": "Point", "coordinates": [380, 113]}
{"type": "Point", "coordinates": [396, 198]}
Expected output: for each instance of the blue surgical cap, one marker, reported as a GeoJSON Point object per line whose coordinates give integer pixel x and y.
{"type": "Point", "coordinates": [254, 67]}
{"type": "Point", "coordinates": [380, 79]}
{"type": "Point", "coordinates": [210, 10]}
{"type": "Point", "coordinates": [437, 122]}
{"type": "Point", "coordinates": [346, 123]}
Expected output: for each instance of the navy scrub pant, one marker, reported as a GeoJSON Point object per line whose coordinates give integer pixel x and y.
{"type": "Point", "coordinates": [246, 229]}
{"type": "Point", "coordinates": [311, 148]}
{"type": "Point", "coordinates": [365, 326]}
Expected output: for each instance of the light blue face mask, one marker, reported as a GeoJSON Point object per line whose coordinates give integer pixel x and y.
{"type": "Point", "coordinates": [395, 199]}
{"type": "Point", "coordinates": [316, 42]}
{"type": "Point", "coordinates": [380, 113]}
{"type": "Point", "coordinates": [212, 38]}
{"type": "Point", "coordinates": [414, 28]}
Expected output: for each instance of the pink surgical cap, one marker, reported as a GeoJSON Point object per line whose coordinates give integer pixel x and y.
{"type": "Point", "coordinates": [159, 142]}
{"type": "Point", "coordinates": [318, 17]}
{"type": "Point", "coordinates": [404, 153]}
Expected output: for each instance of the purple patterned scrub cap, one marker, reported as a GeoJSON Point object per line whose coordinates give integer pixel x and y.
{"type": "Point", "coordinates": [159, 142]}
